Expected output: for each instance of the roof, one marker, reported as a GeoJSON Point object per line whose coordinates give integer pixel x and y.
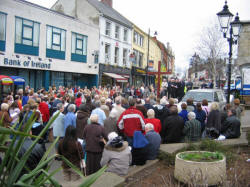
{"type": "Point", "coordinates": [110, 13]}
{"type": "Point", "coordinates": [44, 8]}
{"type": "Point", "coordinates": [245, 22]}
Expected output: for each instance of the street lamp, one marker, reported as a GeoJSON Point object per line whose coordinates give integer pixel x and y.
{"type": "Point", "coordinates": [225, 18]}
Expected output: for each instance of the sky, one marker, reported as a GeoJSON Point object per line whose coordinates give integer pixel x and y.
{"type": "Point", "coordinates": [179, 22]}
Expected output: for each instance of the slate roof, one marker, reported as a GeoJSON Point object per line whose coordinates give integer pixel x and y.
{"type": "Point", "coordinates": [110, 13]}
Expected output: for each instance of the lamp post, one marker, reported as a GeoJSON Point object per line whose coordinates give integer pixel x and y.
{"type": "Point", "coordinates": [225, 18]}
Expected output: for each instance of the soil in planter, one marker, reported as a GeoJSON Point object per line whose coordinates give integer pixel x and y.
{"type": "Point", "coordinates": [202, 156]}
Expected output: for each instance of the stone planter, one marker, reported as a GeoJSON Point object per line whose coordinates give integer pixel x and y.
{"type": "Point", "coordinates": [200, 173]}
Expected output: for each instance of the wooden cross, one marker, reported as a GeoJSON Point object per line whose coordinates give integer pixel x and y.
{"type": "Point", "coordinates": [159, 73]}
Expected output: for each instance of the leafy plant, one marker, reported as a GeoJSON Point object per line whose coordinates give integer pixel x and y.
{"type": "Point", "coordinates": [12, 166]}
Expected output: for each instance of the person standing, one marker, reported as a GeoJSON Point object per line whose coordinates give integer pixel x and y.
{"type": "Point", "coordinates": [164, 86]}
{"type": "Point", "coordinates": [152, 120]}
{"type": "Point", "coordinates": [101, 114]}
{"type": "Point", "coordinates": [70, 117]}
{"type": "Point", "coordinates": [95, 138]}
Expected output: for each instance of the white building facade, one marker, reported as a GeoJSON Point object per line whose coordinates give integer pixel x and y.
{"type": "Point", "coordinates": [46, 47]}
{"type": "Point", "coordinates": [115, 40]}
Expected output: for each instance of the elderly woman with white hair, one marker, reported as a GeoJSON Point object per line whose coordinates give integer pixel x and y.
{"type": "Point", "coordinates": [95, 138]}
{"type": "Point", "coordinates": [4, 115]}
{"type": "Point", "coordinates": [151, 119]}
{"type": "Point", "coordinates": [192, 128]}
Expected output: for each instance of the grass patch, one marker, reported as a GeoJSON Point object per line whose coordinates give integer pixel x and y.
{"type": "Point", "coordinates": [202, 156]}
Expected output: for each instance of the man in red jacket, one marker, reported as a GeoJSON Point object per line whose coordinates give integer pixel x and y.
{"type": "Point", "coordinates": [131, 120]}
{"type": "Point", "coordinates": [44, 109]}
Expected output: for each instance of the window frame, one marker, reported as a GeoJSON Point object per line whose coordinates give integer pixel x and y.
{"type": "Point", "coordinates": [125, 36]}
{"type": "Point", "coordinates": [116, 56]}
{"type": "Point", "coordinates": [3, 42]}
{"type": "Point", "coordinates": [22, 32]}
{"type": "Point", "coordinates": [124, 56]}
{"type": "Point", "coordinates": [117, 32]}
{"type": "Point", "coordinates": [52, 39]}
{"type": "Point", "coordinates": [109, 30]}
{"type": "Point", "coordinates": [77, 35]}
{"type": "Point", "coordinates": [107, 54]}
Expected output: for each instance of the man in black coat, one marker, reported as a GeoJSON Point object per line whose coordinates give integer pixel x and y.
{"type": "Point", "coordinates": [172, 127]}
{"type": "Point", "coordinates": [231, 127]}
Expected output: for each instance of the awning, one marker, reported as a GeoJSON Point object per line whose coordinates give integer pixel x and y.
{"type": "Point", "coordinates": [18, 80]}
{"type": "Point", "coordinates": [117, 77]}
{"type": "Point", "coordinates": [6, 80]}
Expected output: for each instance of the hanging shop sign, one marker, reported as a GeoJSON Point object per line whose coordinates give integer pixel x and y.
{"type": "Point", "coordinates": [26, 64]}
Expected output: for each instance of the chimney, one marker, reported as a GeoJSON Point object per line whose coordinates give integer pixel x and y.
{"type": "Point", "coordinates": [108, 2]}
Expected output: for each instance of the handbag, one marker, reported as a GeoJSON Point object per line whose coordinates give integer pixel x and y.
{"type": "Point", "coordinates": [82, 162]}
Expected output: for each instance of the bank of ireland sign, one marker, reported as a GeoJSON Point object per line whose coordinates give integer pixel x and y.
{"type": "Point", "coordinates": [31, 64]}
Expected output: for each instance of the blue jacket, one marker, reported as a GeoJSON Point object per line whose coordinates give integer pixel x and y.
{"type": "Point", "coordinates": [154, 140]}
{"type": "Point", "coordinates": [69, 119]}
{"type": "Point", "coordinates": [201, 117]}
{"type": "Point", "coordinates": [184, 114]}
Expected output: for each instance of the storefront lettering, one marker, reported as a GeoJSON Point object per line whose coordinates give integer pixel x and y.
{"type": "Point", "coordinates": [27, 64]}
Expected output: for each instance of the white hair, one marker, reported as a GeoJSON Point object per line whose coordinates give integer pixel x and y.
{"type": "Point", "coordinates": [191, 115]}
{"type": "Point", "coordinates": [149, 126]}
{"type": "Point", "coordinates": [94, 118]}
{"type": "Point", "coordinates": [163, 101]}
{"type": "Point", "coordinates": [151, 113]}
{"type": "Point", "coordinates": [71, 108]}
{"type": "Point", "coordinates": [4, 106]}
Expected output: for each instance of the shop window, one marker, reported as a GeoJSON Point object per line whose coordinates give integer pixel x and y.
{"type": "Point", "coordinates": [107, 53]}
{"type": "Point", "coordinates": [27, 36]}
{"type": "Point", "coordinates": [108, 28]}
{"type": "Point", "coordinates": [117, 32]}
{"type": "Point", "coordinates": [79, 47]}
{"type": "Point", "coordinates": [116, 55]}
{"type": "Point", "coordinates": [2, 31]}
{"type": "Point", "coordinates": [56, 42]}
{"type": "Point", "coordinates": [124, 57]}
{"type": "Point", "coordinates": [125, 35]}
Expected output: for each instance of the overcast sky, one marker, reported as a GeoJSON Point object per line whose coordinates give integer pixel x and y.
{"type": "Point", "coordinates": [179, 22]}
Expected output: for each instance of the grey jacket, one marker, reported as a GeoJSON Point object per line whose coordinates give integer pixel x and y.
{"type": "Point", "coordinates": [117, 159]}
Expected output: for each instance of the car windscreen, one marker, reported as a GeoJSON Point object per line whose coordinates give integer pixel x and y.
{"type": "Point", "coordinates": [198, 96]}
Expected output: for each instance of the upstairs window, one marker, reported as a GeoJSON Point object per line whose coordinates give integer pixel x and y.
{"type": "Point", "coordinates": [79, 47]}
{"type": "Point", "coordinates": [107, 53]}
{"type": "Point", "coordinates": [116, 55]}
{"type": "Point", "coordinates": [2, 31]}
{"type": "Point", "coordinates": [117, 32]}
{"type": "Point", "coordinates": [125, 54]}
{"type": "Point", "coordinates": [56, 42]}
{"type": "Point", "coordinates": [27, 36]}
{"type": "Point", "coordinates": [108, 29]}
{"type": "Point", "coordinates": [125, 35]}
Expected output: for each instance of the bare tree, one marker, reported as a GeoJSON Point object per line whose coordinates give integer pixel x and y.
{"type": "Point", "coordinates": [211, 47]}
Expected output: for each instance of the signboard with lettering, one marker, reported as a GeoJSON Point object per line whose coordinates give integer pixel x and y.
{"type": "Point", "coordinates": [26, 64]}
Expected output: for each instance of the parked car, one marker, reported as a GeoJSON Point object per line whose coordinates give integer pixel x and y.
{"type": "Point", "coordinates": [211, 95]}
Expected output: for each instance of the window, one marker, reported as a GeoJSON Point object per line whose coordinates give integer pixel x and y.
{"type": "Point", "coordinates": [56, 42]}
{"type": "Point", "coordinates": [116, 55]}
{"type": "Point", "coordinates": [2, 31]}
{"type": "Point", "coordinates": [107, 53]}
{"type": "Point", "coordinates": [27, 36]}
{"type": "Point", "coordinates": [79, 47]}
{"type": "Point", "coordinates": [117, 32]}
{"type": "Point", "coordinates": [107, 31]}
{"type": "Point", "coordinates": [124, 56]}
{"type": "Point", "coordinates": [125, 35]}
{"type": "Point", "coordinates": [138, 39]}
{"type": "Point", "coordinates": [138, 58]}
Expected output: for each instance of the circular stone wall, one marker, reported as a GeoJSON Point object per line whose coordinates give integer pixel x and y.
{"type": "Point", "coordinates": [190, 172]}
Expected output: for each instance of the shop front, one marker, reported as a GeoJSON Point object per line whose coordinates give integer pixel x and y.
{"type": "Point", "coordinates": [113, 75]}
{"type": "Point", "coordinates": [139, 77]}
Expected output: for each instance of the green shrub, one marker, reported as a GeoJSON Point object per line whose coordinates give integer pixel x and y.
{"type": "Point", "coordinates": [202, 156]}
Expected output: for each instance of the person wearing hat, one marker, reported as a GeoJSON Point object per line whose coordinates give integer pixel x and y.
{"type": "Point", "coordinates": [116, 155]}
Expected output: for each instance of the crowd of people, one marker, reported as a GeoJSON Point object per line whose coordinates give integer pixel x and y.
{"type": "Point", "coordinates": [115, 127]}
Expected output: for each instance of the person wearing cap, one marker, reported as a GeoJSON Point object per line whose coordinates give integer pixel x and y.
{"type": "Point", "coordinates": [116, 155]}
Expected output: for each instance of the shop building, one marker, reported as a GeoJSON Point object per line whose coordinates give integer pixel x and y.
{"type": "Point", "coordinates": [47, 47]}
